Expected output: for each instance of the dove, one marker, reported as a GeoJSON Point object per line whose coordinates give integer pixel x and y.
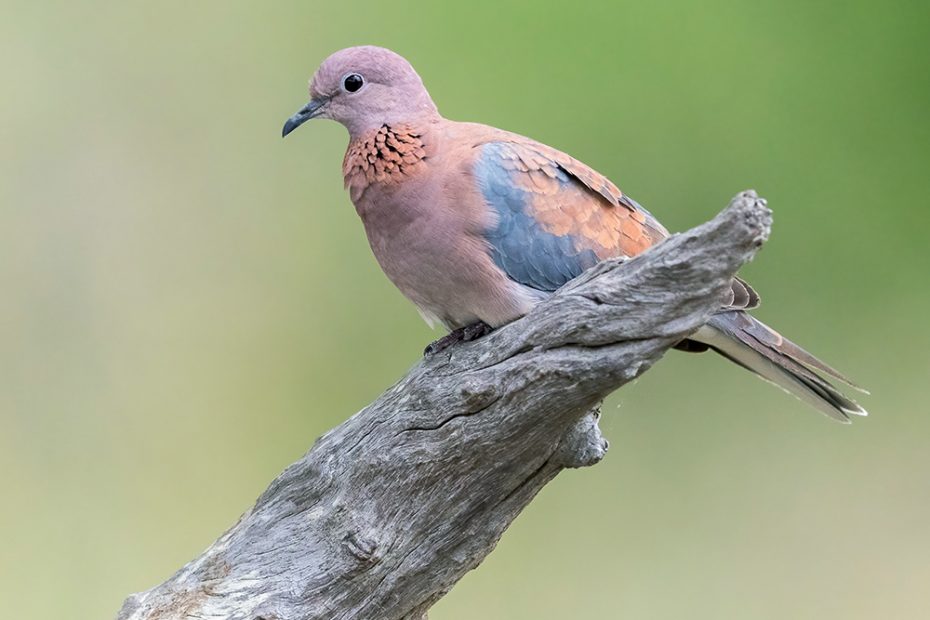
{"type": "Point", "coordinates": [476, 225]}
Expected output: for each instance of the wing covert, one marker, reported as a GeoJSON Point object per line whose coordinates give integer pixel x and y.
{"type": "Point", "coordinates": [554, 218]}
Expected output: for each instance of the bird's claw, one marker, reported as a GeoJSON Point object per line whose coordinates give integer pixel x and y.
{"type": "Point", "coordinates": [462, 334]}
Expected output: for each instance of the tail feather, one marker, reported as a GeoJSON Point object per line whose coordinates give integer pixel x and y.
{"type": "Point", "coordinates": [768, 337]}
{"type": "Point", "coordinates": [753, 345]}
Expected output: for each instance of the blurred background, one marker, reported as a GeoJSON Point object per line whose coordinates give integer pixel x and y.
{"type": "Point", "coordinates": [189, 301]}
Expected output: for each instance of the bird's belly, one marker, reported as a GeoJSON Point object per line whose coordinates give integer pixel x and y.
{"type": "Point", "coordinates": [447, 274]}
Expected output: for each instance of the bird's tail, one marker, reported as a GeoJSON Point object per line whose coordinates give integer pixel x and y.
{"type": "Point", "coordinates": [753, 345]}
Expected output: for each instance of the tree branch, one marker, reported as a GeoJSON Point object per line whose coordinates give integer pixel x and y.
{"type": "Point", "coordinates": [389, 510]}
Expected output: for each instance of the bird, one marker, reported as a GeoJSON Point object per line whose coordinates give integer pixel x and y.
{"type": "Point", "coordinates": [476, 225]}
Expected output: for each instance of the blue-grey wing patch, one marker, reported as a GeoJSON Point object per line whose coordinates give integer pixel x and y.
{"type": "Point", "coordinates": [520, 243]}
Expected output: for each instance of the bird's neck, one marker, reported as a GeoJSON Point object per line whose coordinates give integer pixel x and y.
{"type": "Point", "coordinates": [389, 154]}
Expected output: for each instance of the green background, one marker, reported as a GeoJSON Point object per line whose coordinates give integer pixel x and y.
{"type": "Point", "coordinates": [188, 301]}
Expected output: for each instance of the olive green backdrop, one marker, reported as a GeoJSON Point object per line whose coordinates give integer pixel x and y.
{"type": "Point", "coordinates": [188, 301]}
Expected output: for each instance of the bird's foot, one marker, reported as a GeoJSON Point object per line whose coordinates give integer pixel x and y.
{"type": "Point", "coordinates": [462, 334]}
{"type": "Point", "coordinates": [476, 330]}
{"type": "Point", "coordinates": [456, 335]}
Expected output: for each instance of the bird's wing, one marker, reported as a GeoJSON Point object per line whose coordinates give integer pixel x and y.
{"type": "Point", "coordinates": [554, 216]}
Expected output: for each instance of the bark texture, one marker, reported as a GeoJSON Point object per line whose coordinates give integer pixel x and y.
{"type": "Point", "coordinates": [389, 510]}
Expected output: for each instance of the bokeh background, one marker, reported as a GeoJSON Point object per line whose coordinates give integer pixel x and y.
{"type": "Point", "coordinates": [188, 301]}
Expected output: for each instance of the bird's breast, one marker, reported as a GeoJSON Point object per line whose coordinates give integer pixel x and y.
{"type": "Point", "coordinates": [427, 236]}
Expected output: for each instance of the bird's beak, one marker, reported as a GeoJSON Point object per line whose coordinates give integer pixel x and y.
{"type": "Point", "coordinates": [311, 110]}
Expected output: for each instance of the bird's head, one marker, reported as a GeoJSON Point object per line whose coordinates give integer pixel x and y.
{"type": "Point", "coordinates": [364, 88]}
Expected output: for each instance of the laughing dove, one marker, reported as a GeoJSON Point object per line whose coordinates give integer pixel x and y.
{"type": "Point", "coordinates": [475, 225]}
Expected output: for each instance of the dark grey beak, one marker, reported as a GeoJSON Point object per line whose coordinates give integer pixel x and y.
{"type": "Point", "coordinates": [311, 110]}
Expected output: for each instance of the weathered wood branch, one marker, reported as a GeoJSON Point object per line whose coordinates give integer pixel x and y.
{"type": "Point", "coordinates": [389, 510]}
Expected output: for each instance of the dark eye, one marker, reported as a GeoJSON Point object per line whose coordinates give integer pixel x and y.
{"type": "Point", "coordinates": [352, 82]}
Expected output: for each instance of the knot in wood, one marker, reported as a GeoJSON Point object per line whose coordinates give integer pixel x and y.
{"type": "Point", "coordinates": [362, 548]}
{"type": "Point", "coordinates": [583, 445]}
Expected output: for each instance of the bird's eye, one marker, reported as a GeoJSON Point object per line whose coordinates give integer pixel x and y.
{"type": "Point", "coordinates": [352, 82]}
